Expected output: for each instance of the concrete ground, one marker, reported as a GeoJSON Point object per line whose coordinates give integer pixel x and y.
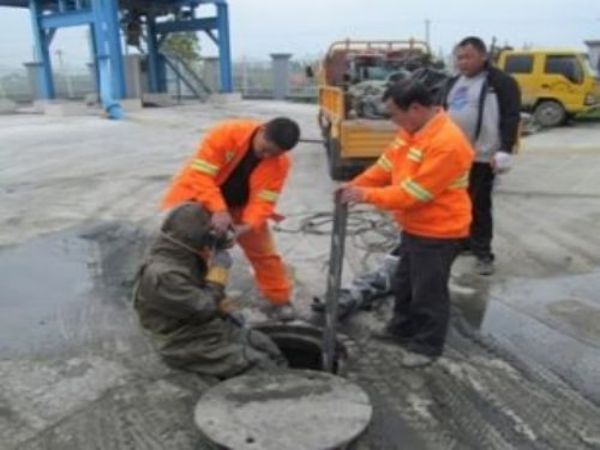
{"type": "Point", "coordinates": [79, 205]}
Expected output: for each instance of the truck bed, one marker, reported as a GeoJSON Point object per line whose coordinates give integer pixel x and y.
{"type": "Point", "coordinates": [365, 138]}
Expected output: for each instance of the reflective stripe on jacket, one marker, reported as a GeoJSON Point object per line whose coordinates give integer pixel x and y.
{"type": "Point", "coordinates": [217, 156]}
{"type": "Point", "coordinates": [423, 178]}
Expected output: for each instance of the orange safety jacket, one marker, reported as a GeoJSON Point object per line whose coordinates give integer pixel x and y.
{"type": "Point", "coordinates": [217, 156]}
{"type": "Point", "coordinates": [424, 178]}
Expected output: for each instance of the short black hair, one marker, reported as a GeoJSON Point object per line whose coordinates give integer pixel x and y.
{"type": "Point", "coordinates": [475, 42]}
{"type": "Point", "coordinates": [406, 92]}
{"type": "Point", "coordinates": [282, 132]}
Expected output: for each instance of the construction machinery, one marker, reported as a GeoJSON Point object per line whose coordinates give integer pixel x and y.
{"type": "Point", "coordinates": [352, 77]}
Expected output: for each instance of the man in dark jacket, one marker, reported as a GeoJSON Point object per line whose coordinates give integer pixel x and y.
{"type": "Point", "coordinates": [180, 299]}
{"type": "Point", "coordinates": [485, 103]}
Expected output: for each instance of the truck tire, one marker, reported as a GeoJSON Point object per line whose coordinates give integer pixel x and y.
{"type": "Point", "coordinates": [549, 113]}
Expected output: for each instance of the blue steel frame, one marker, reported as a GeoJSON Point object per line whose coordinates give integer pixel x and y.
{"type": "Point", "coordinates": [103, 18]}
{"type": "Point", "coordinates": [157, 32]}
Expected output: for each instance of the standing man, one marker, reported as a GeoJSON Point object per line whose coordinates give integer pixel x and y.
{"type": "Point", "coordinates": [237, 174]}
{"type": "Point", "coordinates": [485, 103]}
{"type": "Point", "coordinates": [422, 177]}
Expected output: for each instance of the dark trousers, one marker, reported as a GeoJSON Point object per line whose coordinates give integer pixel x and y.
{"type": "Point", "coordinates": [481, 184]}
{"type": "Point", "coordinates": [422, 307]}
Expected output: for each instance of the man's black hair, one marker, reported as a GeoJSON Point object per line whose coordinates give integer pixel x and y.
{"type": "Point", "coordinates": [406, 92]}
{"type": "Point", "coordinates": [475, 42]}
{"type": "Point", "coordinates": [282, 132]}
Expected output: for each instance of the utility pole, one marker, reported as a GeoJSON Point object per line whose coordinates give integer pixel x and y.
{"type": "Point", "coordinates": [59, 54]}
{"type": "Point", "coordinates": [427, 27]}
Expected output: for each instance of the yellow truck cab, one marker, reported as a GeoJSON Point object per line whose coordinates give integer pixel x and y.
{"type": "Point", "coordinates": [353, 132]}
{"type": "Point", "coordinates": [555, 84]}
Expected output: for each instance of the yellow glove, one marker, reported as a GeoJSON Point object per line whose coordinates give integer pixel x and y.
{"type": "Point", "coordinates": [218, 275]}
{"type": "Point", "coordinates": [218, 271]}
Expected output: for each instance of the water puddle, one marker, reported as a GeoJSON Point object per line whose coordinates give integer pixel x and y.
{"type": "Point", "coordinates": [57, 288]}
{"type": "Point", "coordinates": [552, 322]}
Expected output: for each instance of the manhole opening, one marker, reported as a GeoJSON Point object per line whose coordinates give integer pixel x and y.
{"type": "Point", "coordinates": [303, 346]}
{"type": "Point", "coordinates": [299, 353]}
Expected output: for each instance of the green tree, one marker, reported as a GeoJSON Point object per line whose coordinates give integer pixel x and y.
{"type": "Point", "coordinates": [185, 46]}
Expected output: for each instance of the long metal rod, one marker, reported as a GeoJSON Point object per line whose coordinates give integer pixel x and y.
{"type": "Point", "coordinates": [334, 278]}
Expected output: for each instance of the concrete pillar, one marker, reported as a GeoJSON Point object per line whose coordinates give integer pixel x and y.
{"type": "Point", "coordinates": [281, 75]}
{"type": "Point", "coordinates": [34, 73]}
{"type": "Point", "coordinates": [133, 75]}
{"type": "Point", "coordinates": [210, 72]}
{"type": "Point", "coordinates": [93, 75]}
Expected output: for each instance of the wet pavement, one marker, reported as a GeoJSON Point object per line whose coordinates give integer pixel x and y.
{"type": "Point", "coordinates": [39, 280]}
{"type": "Point", "coordinates": [554, 322]}
{"type": "Point", "coordinates": [522, 367]}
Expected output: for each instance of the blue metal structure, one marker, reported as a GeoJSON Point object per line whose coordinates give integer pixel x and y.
{"type": "Point", "coordinates": [157, 31]}
{"type": "Point", "coordinates": [105, 18]}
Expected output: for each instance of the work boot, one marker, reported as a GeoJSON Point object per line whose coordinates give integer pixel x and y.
{"type": "Point", "coordinates": [284, 312]}
{"type": "Point", "coordinates": [484, 266]}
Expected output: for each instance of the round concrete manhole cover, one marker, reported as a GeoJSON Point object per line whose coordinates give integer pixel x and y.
{"type": "Point", "coordinates": [292, 410]}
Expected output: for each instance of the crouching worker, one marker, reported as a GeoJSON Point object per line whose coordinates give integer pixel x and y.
{"type": "Point", "coordinates": [180, 299]}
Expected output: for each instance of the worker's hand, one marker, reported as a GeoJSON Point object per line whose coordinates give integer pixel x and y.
{"type": "Point", "coordinates": [221, 221]}
{"type": "Point", "coordinates": [221, 258]}
{"type": "Point", "coordinates": [350, 194]}
{"type": "Point", "coordinates": [501, 162]}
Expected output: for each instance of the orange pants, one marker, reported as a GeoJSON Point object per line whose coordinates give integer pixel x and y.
{"type": "Point", "coordinates": [269, 270]}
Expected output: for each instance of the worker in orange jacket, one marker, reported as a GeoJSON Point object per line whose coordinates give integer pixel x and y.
{"type": "Point", "coordinates": [237, 174]}
{"type": "Point", "coordinates": [422, 177]}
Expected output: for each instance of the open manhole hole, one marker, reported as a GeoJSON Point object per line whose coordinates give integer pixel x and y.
{"type": "Point", "coordinates": [304, 408]}
{"type": "Point", "coordinates": [302, 345]}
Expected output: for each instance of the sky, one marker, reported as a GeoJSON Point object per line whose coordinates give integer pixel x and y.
{"type": "Point", "coordinates": [306, 28]}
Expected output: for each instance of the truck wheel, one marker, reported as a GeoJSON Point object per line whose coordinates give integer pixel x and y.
{"type": "Point", "coordinates": [549, 113]}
